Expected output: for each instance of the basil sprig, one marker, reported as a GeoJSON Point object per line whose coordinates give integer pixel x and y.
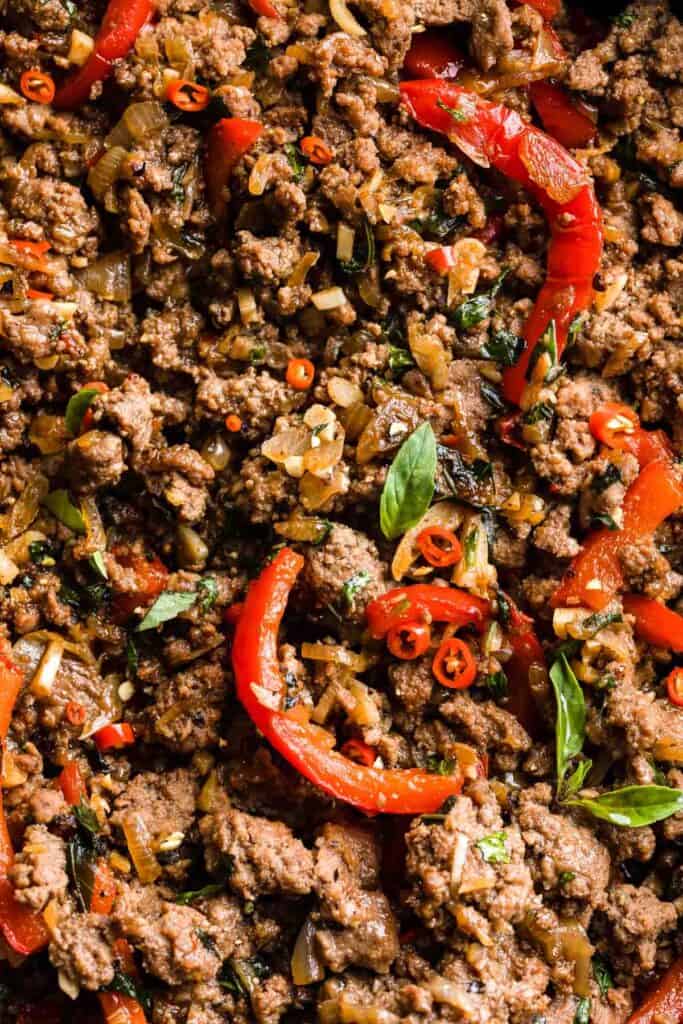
{"type": "Point", "coordinates": [410, 482]}
{"type": "Point", "coordinates": [633, 806]}
{"type": "Point", "coordinates": [570, 724]}
{"type": "Point", "coordinates": [168, 606]}
{"type": "Point", "coordinates": [77, 407]}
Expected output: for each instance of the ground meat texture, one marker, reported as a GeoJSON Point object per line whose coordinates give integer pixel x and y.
{"type": "Point", "coordinates": [95, 460]}
{"type": "Point", "coordinates": [570, 858]}
{"type": "Point", "coordinates": [358, 926]}
{"type": "Point", "coordinates": [345, 572]}
{"type": "Point", "coordinates": [265, 856]}
{"type": "Point", "coordinates": [258, 398]}
{"type": "Point", "coordinates": [81, 949]}
{"type": "Point", "coordinates": [188, 708]}
{"type": "Point", "coordinates": [38, 873]}
{"type": "Point", "coordinates": [638, 918]}
{"type": "Point", "coordinates": [489, 727]}
{"type": "Point", "coordinates": [61, 212]}
{"type": "Point", "coordinates": [180, 475]}
{"type": "Point", "coordinates": [642, 719]}
{"type": "Point", "coordinates": [165, 802]}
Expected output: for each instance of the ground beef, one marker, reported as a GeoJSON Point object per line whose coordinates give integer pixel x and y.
{"type": "Point", "coordinates": [38, 873]}
{"type": "Point", "coordinates": [81, 949]}
{"type": "Point", "coordinates": [198, 696]}
{"type": "Point", "coordinates": [165, 802]}
{"type": "Point", "coordinates": [638, 918]}
{"type": "Point", "coordinates": [345, 572]}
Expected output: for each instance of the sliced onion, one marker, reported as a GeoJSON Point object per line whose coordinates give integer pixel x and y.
{"type": "Point", "coordinates": [260, 174]}
{"type": "Point", "coordinates": [316, 494]}
{"type": "Point", "coordinates": [139, 844]}
{"type": "Point", "coordinates": [320, 460]}
{"type": "Point", "coordinates": [48, 667]}
{"type": "Point", "coordinates": [216, 451]}
{"type": "Point", "coordinates": [140, 121]}
{"type": "Point", "coordinates": [343, 392]}
{"type": "Point", "coordinates": [458, 862]}
{"type": "Point", "coordinates": [246, 302]}
{"type": "Point", "coordinates": [355, 419]}
{"type": "Point", "coordinates": [94, 527]}
{"type": "Point", "coordinates": [345, 19]}
{"type": "Point", "coordinates": [474, 571]}
{"type": "Point", "coordinates": [106, 171]}
{"type": "Point", "coordinates": [48, 433]}
{"type": "Point", "coordinates": [447, 992]}
{"type": "Point", "coordinates": [306, 966]}
{"type": "Point", "coordinates": [430, 354]}
{"type": "Point", "coordinates": [179, 52]}
{"type": "Point", "coordinates": [25, 508]}
{"type": "Point", "coordinates": [329, 298]}
{"type": "Point", "coordinates": [345, 241]}
{"type": "Point", "coordinates": [291, 442]}
{"type": "Point", "coordinates": [365, 712]}
{"type": "Point", "coordinates": [80, 48]}
{"type": "Point", "coordinates": [335, 655]}
{"type": "Point", "coordinates": [9, 570]}
{"type": "Point", "coordinates": [669, 750]}
{"type": "Point", "coordinates": [300, 272]}
{"type": "Point", "coordinates": [9, 98]}
{"type": "Point", "coordinates": [109, 277]}
{"type": "Point", "coordinates": [305, 529]}
{"type": "Point", "coordinates": [445, 513]}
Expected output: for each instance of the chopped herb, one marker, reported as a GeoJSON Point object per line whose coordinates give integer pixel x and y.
{"type": "Point", "coordinates": [77, 407]}
{"type": "Point", "coordinates": [598, 620]}
{"type": "Point", "coordinates": [190, 895]}
{"type": "Point", "coordinates": [504, 346]}
{"type": "Point", "coordinates": [493, 848]}
{"type": "Point", "coordinates": [178, 177]}
{"type": "Point", "coordinates": [410, 482]}
{"type": "Point", "coordinates": [497, 683]}
{"type": "Point", "coordinates": [606, 682]}
{"type": "Point", "coordinates": [130, 987]}
{"type": "Point", "coordinates": [258, 56]}
{"type": "Point", "coordinates": [602, 974]}
{"type": "Point", "coordinates": [400, 359]}
{"type": "Point", "coordinates": [67, 595]}
{"type": "Point", "coordinates": [241, 976]}
{"type": "Point", "coordinates": [470, 546]}
{"type": "Point", "coordinates": [87, 818]}
{"type": "Point", "coordinates": [62, 508]}
{"type": "Point", "coordinates": [609, 476]}
{"type": "Point", "coordinates": [354, 586]}
{"type": "Point", "coordinates": [504, 609]}
{"type": "Point", "coordinates": [249, 907]}
{"type": "Point", "coordinates": [98, 564]}
{"type": "Point", "coordinates": [565, 877]}
{"type": "Point", "coordinates": [479, 307]}
{"type": "Point", "coordinates": [365, 257]}
{"type": "Point", "coordinates": [624, 20]}
{"type": "Point", "coordinates": [440, 765]}
{"type": "Point", "coordinates": [295, 162]}
{"type": "Point", "coordinates": [257, 354]}
{"type": "Point", "coordinates": [546, 345]}
{"type": "Point", "coordinates": [574, 328]}
{"type": "Point", "coordinates": [40, 552]}
{"type": "Point", "coordinates": [539, 413]}
{"type": "Point", "coordinates": [436, 223]}
{"type": "Point", "coordinates": [167, 606]}
{"type": "Point", "coordinates": [492, 396]}
{"type": "Point", "coordinates": [583, 1011]}
{"type": "Point", "coordinates": [603, 519]}
{"type": "Point", "coordinates": [132, 658]}
{"type": "Point", "coordinates": [457, 115]}
{"type": "Point", "coordinates": [207, 593]}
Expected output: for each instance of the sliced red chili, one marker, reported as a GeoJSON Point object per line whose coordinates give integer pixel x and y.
{"type": "Point", "coordinates": [37, 86]}
{"type": "Point", "coordinates": [300, 374]}
{"type": "Point", "coordinates": [114, 737]}
{"type": "Point", "coordinates": [439, 546]}
{"type": "Point", "coordinates": [454, 665]}
{"type": "Point", "coordinates": [618, 426]}
{"type": "Point", "coordinates": [567, 118]}
{"type": "Point", "coordinates": [264, 8]}
{"type": "Point", "coordinates": [426, 602]}
{"type": "Point", "coordinates": [674, 687]}
{"type": "Point", "coordinates": [442, 259]}
{"type": "Point", "coordinates": [316, 150]}
{"type": "Point", "coordinates": [188, 96]}
{"type": "Point", "coordinates": [409, 640]}
{"type": "Point", "coordinates": [654, 622]}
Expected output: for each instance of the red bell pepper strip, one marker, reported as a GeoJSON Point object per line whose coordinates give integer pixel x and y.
{"type": "Point", "coordinates": [114, 736]}
{"type": "Point", "coordinates": [22, 928]}
{"type": "Point", "coordinates": [264, 8]}
{"type": "Point", "coordinates": [618, 426]}
{"type": "Point", "coordinates": [71, 783]}
{"type": "Point", "coordinates": [655, 622]}
{"type": "Point", "coordinates": [567, 119]}
{"type": "Point", "coordinates": [120, 1009]}
{"type": "Point", "coordinates": [595, 575]}
{"type": "Point", "coordinates": [494, 135]}
{"type": "Point", "coordinates": [120, 27]}
{"type": "Point", "coordinates": [442, 259]}
{"type": "Point", "coordinates": [433, 55]}
{"type": "Point", "coordinates": [228, 141]}
{"type": "Point", "coordinates": [260, 688]}
{"type": "Point", "coordinates": [527, 651]}
{"type": "Point", "coordinates": [665, 1001]}
{"type": "Point", "coordinates": [427, 602]}
{"type": "Point", "coordinates": [548, 8]}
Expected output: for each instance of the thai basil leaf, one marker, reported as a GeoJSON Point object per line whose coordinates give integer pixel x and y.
{"type": "Point", "coordinates": [87, 818]}
{"type": "Point", "coordinates": [59, 503]}
{"type": "Point", "coordinates": [570, 726]}
{"type": "Point", "coordinates": [493, 848]}
{"type": "Point", "coordinates": [497, 683]}
{"type": "Point", "coordinates": [604, 480]}
{"type": "Point", "coordinates": [504, 346]}
{"type": "Point", "coordinates": [98, 564]}
{"type": "Point", "coordinates": [583, 1011]}
{"type": "Point", "coordinates": [295, 161]}
{"type": "Point", "coordinates": [130, 987]}
{"type": "Point", "coordinates": [77, 407]}
{"type": "Point", "coordinates": [207, 593]}
{"type": "Point", "coordinates": [167, 606]}
{"type": "Point", "coordinates": [576, 780]}
{"type": "Point", "coordinates": [634, 806]}
{"type": "Point", "coordinates": [409, 486]}
{"type": "Point", "coordinates": [185, 898]}
{"type": "Point", "coordinates": [440, 765]}
{"type": "Point", "coordinates": [81, 870]}
{"type": "Point", "coordinates": [479, 307]}
{"type": "Point", "coordinates": [400, 359]}
{"type": "Point", "coordinates": [354, 585]}
{"type": "Point", "coordinates": [602, 974]}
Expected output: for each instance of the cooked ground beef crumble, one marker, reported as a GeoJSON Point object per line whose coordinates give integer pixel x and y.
{"type": "Point", "coordinates": [238, 283]}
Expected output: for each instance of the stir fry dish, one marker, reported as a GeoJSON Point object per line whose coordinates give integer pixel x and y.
{"type": "Point", "coordinates": [341, 512]}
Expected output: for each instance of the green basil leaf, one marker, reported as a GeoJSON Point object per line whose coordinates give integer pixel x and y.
{"type": "Point", "coordinates": [77, 407]}
{"type": "Point", "coordinates": [504, 346]}
{"type": "Point", "coordinates": [207, 592]}
{"type": "Point", "coordinates": [354, 585]}
{"type": "Point", "coordinates": [400, 359]}
{"type": "Point", "coordinates": [602, 974]}
{"type": "Point", "coordinates": [497, 684]}
{"type": "Point", "coordinates": [570, 726]}
{"type": "Point", "coordinates": [59, 503]}
{"type": "Point", "coordinates": [87, 818]}
{"type": "Point", "coordinates": [410, 482]}
{"type": "Point", "coordinates": [583, 1011]}
{"type": "Point", "coordinates": [479, 307]}
{"type": "Point", "coordinates": [493, 848]}
{"type": "Point", "coordinates": [598, 620]}
{"type": "Point", "coordinates": [577, 778]}
{"type": "Point", "coordinates": [295, 162]}
{"type": "Point", "coordinates": [98, 564]}
{"type": "Point", "coordinates": [185, 898]}
{"type": "Point", "coordinates": [80, 866]}
{"type": "Point", "coordinates": [634, 806]}
{"type": "Point", "coordinates": [167, 606]}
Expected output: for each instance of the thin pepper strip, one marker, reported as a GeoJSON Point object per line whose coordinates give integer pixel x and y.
{"type": "Point", "coordinates": [595, 575]}
{"type": "Point", "coordinates": [665, 1001]}
{"type": "Point", "coordinates": [120, 28]}
{"type": "Point", "coordinates": [618, 426]}
{"type": "Point", "coordinates": [21, 928]}
{"type": "Point", "coordinates": [493, 135]}
{"type": "Point", "coordinates": [260, 688]}
{"type": "Point", "coordinates": [229, 139]}
{"type": "Point", "coordinates": [527, 652]}
{"type": "Point", "coordinates": [654, 622]}
{"type": "Point", "coordinates": [426, 602]}
{"type": "Point", "coordinates": [120, 1009]}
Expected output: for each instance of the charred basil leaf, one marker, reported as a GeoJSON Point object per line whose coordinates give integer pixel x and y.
{"type": "Point", "coordinates": [130, 987]}
{"type": "Point", "coordinates": [634, 806]}
{"type": "Point", "coordinates": [598, 620]}
{"type": "Point", "coordinates": [494, 849]}
{"type": "Point", "coordinates": [80, 866]}
{"type": "Point", "coordinates": [492, 396]}
{"type": "Point", "coordinates": [436, 223]}
{"type": "Point", "coordinates": [364, 252]}
{"type": "Point", "coordinates": [503, 346]}
{"type": "Point", "coordinates": [471, 482]}
{"type": "Point", "coordinates": [87, 818]}
{"type": "Point", "coordinates": [609, 476]}
{"type": "Point", "coordinates": [479, 307]}
{"type": "Point", "coordinates": [77, 407]}
{"type": "Point", "coordinates": [62, 508]}
{"type": "Point", "coordinates": [603, 519]}
{"type": "Point", "coordinates": [410, 482]}
{"type": "Point", "coordinates": [602, 974]}
{"type": "Point", "coordinates": [538, 413]}
{"type": "Point", "coordinates": [570, 725]}
{"type": "Point", "coordinates": [400, 359]}
{"type": "Point", "coordinates": [167, 606]}
{"type": "Point", "coordinates": [497, 683]}
{"type": "Point", "coordinates": [41, 553]}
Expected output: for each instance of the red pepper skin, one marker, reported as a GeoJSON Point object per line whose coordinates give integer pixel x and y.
{"type": "Point", "coordinates": [656, 493]}
{"type": "Point", "coordinates": [655, 623]}
{"type": "Point", "coordinates": [527, 651]}
{"type": "Point", "coordinates": [114, 736]}
{"type": "Point", "coordinates": [71, 783]}
{"type": "Point", "coordinates": [561, 115]}
{"type": "Point", "coordinates": [120, 27]}
{"type": "Point", "coordinates": [441, 260]}
{"type": "Point", "coordinates": [665, 1001]}
{"type": "Point", "coordinates": [494, 135]}
{"type": "Point", "coordinates": [428, 602]}
{"type": "Point", "coordinates": [264, 8]}
{"type": "Point", "coordinates": [548, 8]}
{"type": "Point", "coordinates": [151, 575]}
{"type": "Point", "coordinates": [228, 141]}
{"type": "Point", "coordinates": [255, 663]}
{"type": "Point", "coordinates": [646, 445]}
{"type": "Point", "coordinates": [120, 1009]}
{"type": "Point", "coordinates": [433, 55]}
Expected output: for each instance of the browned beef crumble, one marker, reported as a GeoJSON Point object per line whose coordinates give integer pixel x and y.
{"type": "Point", "coordinates": [405, 921]}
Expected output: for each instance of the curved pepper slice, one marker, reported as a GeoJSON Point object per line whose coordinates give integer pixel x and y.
{"type": "Point", "coordinates": [260, 688]}
{"type": "Point", "coordinates": [21, 928]}
{"type": "Point", "coordinates": [428, 603]}
{"type": "Point", "coordinates": [493, 135]}
{"type": "Point", "coordinates": [595, 575]}
{"type": "Point", "coordinates": [120, 1009]}
{"type": "Point", "coordinates": [618, 426]}
{"type": "Point", "coordinates": [527, 651]}
{"type": "Point", "coordinates": [566, 119]}
{"type": "Point", "coordinates": [433, 55]}
{"type": "Point", "coordinates": [665, 1001]}
{"type": "Point", "coordinates": [120, 27]}
{"type": "Point", "coordinates": [655, 623]}
{"type": "Point", "coordinates": [228, 141]}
